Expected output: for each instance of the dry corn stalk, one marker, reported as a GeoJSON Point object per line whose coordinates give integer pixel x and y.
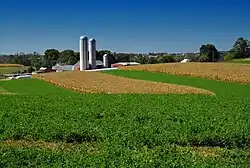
{"type": "Point", "coordinates": [96, 82]}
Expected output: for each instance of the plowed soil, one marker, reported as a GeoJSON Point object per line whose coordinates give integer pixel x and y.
{"type": "Point", "coordinates": [96, 82]}
{"type": "Point", "coordinates": [229, 72]}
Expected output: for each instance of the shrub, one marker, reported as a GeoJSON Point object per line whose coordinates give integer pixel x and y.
{"type": "Point", "coordinates": [228, 57]}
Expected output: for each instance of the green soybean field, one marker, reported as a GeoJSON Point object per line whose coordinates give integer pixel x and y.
{"type": "Point", "coordinates": [42, 125]}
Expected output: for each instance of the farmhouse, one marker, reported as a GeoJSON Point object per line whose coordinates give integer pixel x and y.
{"type": "Point", "coordinates": [44, 70]}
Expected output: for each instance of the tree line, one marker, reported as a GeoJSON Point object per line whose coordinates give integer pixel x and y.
{"type": "Point", "coordinates": [208, 53]}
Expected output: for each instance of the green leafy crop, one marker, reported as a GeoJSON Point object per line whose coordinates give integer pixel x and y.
{"type": "Point", "coordinates": [126, 130]}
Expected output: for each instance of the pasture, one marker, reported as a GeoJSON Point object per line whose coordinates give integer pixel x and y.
{"type": "Point", "coordinates": [47, 125]}
{"type": "Point", "coordinates": [242, 61]}
{"type": "Point", "coordinates": [11, 68]}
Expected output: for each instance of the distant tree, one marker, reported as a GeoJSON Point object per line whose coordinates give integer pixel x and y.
{"type": "Point", "coordinates": [241, 48]}
{"type": "Point", "coordinates": [178, 58]}
{"type": "Point", "coordinates": [209, 51]}
{"type": "Point", "coordinates": [192, 57]}
{"type": "Point", "coordinates": [203, 58]}
{"type": "Point", "coordinates": [50, 57]}
{"type": "Point", "coordinates": [152, 60]}
{"type": "Point", "coordinates": [165, 59]}
{"type": "Point", "coordinates": [142, 59]}
{"type": "Point", "coordinates": [228, 57]}
{"type": "Point", "coordinates": [30, 69]}
{"type": "Point", "coordinates": [36, 61]}
{"type": "Point", "coordinates": [68, 57]}
{"type": "Point", "coordinates": [99, 54]}
{"type": "Point", "coordinates": [145, 60]}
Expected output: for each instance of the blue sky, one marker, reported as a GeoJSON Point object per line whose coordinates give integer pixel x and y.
{"type": "Point", "coordinates": [122, 25]}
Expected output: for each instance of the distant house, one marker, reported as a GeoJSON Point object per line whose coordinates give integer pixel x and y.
{"type": "Point", "coordinates": [45, 70]}
{"type": "Point", "coordinates": [60, 68]}
{"type": "Point", "coordinates": [185, 60]}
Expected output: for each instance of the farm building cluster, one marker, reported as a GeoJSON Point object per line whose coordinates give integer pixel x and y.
{"type": "Point", "coordinates": [88, 61]}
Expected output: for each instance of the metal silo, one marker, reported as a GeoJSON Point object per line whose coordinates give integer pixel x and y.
{"type": "Point", "coordinates": [83, 53]}
{"type": "Point", "coordinates": [105, 60]}
{"type": "Point", "coordinates": [92, 53]}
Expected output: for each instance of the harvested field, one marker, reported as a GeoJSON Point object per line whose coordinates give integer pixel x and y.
{"type": "Point", "coordinates": [11, 65]}
{"type": "Point", "coordinates": [96, 82]}
{"type": "Point", "coordinates": [4, 69]}
{"type": "Point", "coordinates": [218, 71]}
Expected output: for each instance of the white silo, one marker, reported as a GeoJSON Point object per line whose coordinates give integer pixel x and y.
{"type": "Point", "coordinates": [105, 60]}
{"type": "Point", "coordinates": [83, 53]}
{"type": "Point", "coordinates": [92, 53]}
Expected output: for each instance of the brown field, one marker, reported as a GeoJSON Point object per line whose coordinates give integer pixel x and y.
{"type": "Point", "coordinates": [239, 73]}
{"type": "Point", "coordinates": [96, 82]}
{"type": "Point", "coordinates": [11, 65]}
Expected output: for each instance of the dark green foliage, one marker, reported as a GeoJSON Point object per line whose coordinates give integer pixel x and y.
{"type": "Point", "coordinates": [131, 130]}
{"type": "Point", "coordinates": [241, 48]}
{"type": "Point", "coordinates": [228, 57]}
{"type": "Point", "coordinates": [50, 57]}
{"type": "Point", "coordinates": [68, 57]}
{"type": "Point", "coordinates": [203, 58]}
{"type": "Point", "coordinates": [165, 59]}
{"type": "Point", "coordinates": [30, 69]}
{"type": "Point", "coordinates": [209, 52]}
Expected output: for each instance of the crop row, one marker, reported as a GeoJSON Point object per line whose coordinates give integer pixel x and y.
{"type": "Point", "coordinates": [127, 120]}
{"type": "Point", "coordinates": [95, 82]}
{"type": "Point", "coordinates": [218, 71]}
{"type": "Point", "coordinates": [121, 130]}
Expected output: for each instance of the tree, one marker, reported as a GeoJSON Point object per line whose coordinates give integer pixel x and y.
{"type": "Point", "coordinates": [165, 59]}
{"type": "Point", "coordinates": [50, 57]}
{"type": "Point", "coordinates": [228, 57]}
{"type": "Point", "coordinates": [209, 51]}
{"type": "Point", "coordinates": [30, 69]}
{"type": "Point", "coordinates": [152, 60]}
{"type": "Point", "coordinates": [35, 61]}
{"type": "Point", "coordinates": [241, 48]}
{"type": "Point", "coordinates": [141, 59]}
{"type": "Point", "coordinates": [99, 54]}
{"type": "Point", "coordinates": [68, 57]}
{"type": "Point", "coordinates": [203, 58]}
{"type": "Point", "coordinates": [192, 57]}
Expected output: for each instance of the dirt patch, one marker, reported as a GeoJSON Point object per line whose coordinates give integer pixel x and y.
{"type": "Point", "coordinates": [203, 151]}
{"type": "Point", "coordinates": [206, 151]}
{"type": "Point", "coordinates": [63, 147]}
{"type": "Point", "coordinates": [97, 82]}
{"type": "Point", "coordinates": [218, 71]}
